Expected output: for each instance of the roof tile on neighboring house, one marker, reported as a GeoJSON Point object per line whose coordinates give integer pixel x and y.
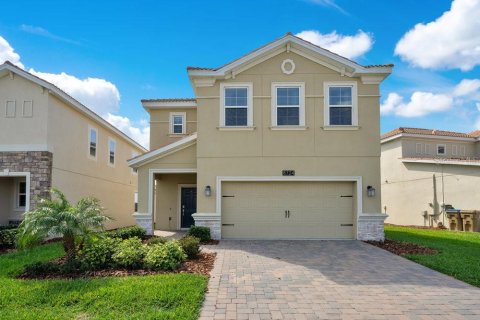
{"type": "Point", "coordinates": [428, 132]}
{"type": "Point", "coordinates": [475, 133]}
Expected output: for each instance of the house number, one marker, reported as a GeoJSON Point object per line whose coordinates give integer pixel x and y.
{"type": "Point", "coordinates": [288, 172]}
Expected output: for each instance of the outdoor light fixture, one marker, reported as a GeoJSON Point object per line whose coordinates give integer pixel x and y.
{"type": "Point", "coordinates": [208, 191]}
{"type": "Point", "coordinates": [370, 191]}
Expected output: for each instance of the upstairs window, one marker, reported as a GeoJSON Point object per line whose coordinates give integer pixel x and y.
{"type": "Point", "coordinates": [341, 104]}
{"type": "Point", "coordinates": [236, 105]}
{"type": "Point", "coordinates": [21, 195]}
{"type": "Point", "coordinates": [288, 104]}
{"type": "Point", "coordinates": [92, 143]}
{"type": "Point", "coordinates": [441, 149]}
{"type": "Point", "coordinates": [177, 122]}
{"type": "Point", "coordinates": [112, 145]}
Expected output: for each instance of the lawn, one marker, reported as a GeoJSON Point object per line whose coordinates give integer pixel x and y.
{"type": "Point", "coordinates": [458, 252]}
{"type": "Point", "coordinates": [168, 296]}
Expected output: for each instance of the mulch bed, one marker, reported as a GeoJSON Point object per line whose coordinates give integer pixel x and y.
{"type": "Point", "coordinates": [402, 248]}
{"type": "Point", "coordinates": [7, 250]}
{"type": "Point", "coordinates": [201, 265]}
{"type": "Point", "coordinates": [210, 242]}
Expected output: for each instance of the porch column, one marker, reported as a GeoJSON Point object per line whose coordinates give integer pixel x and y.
{"type": "Point", "coordinates": [144, 215]}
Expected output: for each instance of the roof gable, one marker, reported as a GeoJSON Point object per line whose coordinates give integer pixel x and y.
{"type": "Point", "coordinates": [432, 133]}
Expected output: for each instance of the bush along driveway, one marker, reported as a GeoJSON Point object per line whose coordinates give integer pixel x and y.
{"type": "Point", "coordinates": [458, 253]}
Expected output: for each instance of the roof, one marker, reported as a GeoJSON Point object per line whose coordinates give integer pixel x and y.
{"type": "Point", "coordinates": [170, 100]}
{"type": "Point", "coordinates": [428, 132]}
{"type": "Point", "coordinates": [294, 40]}
{"type": "Point", "coordinates": [475, 133]}
{"type": "Point", "coordinates": [163, 151]}
{"type": "Point", "coordinates": [7, 65]}
{"type": "Point", "coordinates": [451, 161]}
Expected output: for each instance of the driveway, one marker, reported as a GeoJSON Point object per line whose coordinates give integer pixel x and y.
{"type": "Point", "coordinates": [329, 280]}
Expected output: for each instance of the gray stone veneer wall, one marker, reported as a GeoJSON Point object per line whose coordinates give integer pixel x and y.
{"type": "Point", "coordinates": [38, 163]}
{"type": "Point", "coordinates": [370, 227]}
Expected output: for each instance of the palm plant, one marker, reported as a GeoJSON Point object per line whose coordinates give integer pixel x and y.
{"type": "Point", "coordinates": [56, 217]}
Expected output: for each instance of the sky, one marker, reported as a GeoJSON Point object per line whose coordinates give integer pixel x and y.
{"type": "Point", "coordinates": [111, 54]}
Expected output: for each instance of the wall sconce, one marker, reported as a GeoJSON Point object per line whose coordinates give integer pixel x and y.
{"type": "Point", "coordinates": [370, 191]}
{"type": "Point", "coordinates": [208, 191]}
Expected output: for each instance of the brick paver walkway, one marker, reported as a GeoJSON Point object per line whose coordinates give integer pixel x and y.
{"type": "Point", "coordinates": [329, 280]}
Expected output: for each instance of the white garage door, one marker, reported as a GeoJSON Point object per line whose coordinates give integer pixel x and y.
{"type": "Point", "coordinates": [288, 210]}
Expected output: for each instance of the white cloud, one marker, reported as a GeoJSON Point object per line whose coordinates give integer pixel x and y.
{"type": "Point", "coordinates": [465, 93]}
{"type": "Point", "coordinates": [451, 41]}
{"type": "Point", "coordinates": [347, 46]}
{"type": "Point", "coordinates": [140, 133]}
{"type": "Point", "coordinates": [7, 53]}
{"type": "Point", "coordinates": [328, 3]}
{"type": "Point", "coordinates": [99, 95]}
{"type": "Point", "coordinates": [39, 31]}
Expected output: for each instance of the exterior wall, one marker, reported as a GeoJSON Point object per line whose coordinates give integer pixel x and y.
{"type": "Point", "coordinates": [78, 175]}
{"type": "Point", "coordinates": [38, 164]}
{"type": "Point", "coordinates": [410, 148]}
{"type": "Point", "coordinates": [167, 212]}
{"type": "Point", "coordinates": [408, 189]}
{"type": "Point", "coordinates": [30, 131]}
{"type": "Point", "coordinates": [310, 152]}
{"type": "Point", "coordinates": [160, 134]}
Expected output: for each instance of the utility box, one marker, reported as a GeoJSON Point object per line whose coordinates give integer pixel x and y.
{"type": "Point", "coordinates": [455, 220]}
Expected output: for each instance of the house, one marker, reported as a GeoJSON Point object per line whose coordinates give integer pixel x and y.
{"type": "Point", "coordinates": [281, 143]}
{"type": "Point", "coordinates": [49, 139]}
{"type": "Point", "coordinates": [425, 171]}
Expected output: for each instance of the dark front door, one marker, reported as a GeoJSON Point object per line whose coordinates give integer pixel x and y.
{"type": "Point", "coordinates": [188, 206]}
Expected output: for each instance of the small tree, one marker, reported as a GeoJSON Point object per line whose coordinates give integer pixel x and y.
{"type": "Point", "coordinates": [57, 217]}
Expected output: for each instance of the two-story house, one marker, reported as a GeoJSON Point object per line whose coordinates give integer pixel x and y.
{"type": "Point", "coordinates": [425, 169]}
{"type": "Point", "coordinates": [281, 143]}
{"type": "Point", "coordinates": [49, 139]}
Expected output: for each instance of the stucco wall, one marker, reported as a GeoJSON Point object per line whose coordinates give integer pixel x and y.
{"type": "Point", "coordinates": [310, 152]}
{"type": "Point", "coordinates": [160, 134]}
{"type": "Point", "coordinates": [410, 148]}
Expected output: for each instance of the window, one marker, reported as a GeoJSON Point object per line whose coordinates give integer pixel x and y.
{"type": "Point", "coordinates": [111, 151]}
{"type": "Point", "coordinates": [341, 104]}
{"type": "Point", "coordinates": [236, 105]}
{"type": "Point", "coordinates": [177, 122]}
{"type": "Point", "coordinates": [288, 104]}
{"type": "Point", "coordinates": [135, 199]}
{"type": "Point", "coordinates": [454, 150]}
{"type": "Point", "coordinates": [92, 142]}
{"type": "Point", "coordinates": [441, 149]}
{"type": "Point", "coordinates": [418, 148]}
{"type": "Point", "coordinates": [21, 194]}
{"type": "Point", "coordinates": [462, 151]}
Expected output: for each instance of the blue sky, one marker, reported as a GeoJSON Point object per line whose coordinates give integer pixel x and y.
{"type": "Point", "coordinates": [140, 49]}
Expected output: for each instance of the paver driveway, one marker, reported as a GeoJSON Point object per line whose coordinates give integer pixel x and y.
{"type": "Point", "coordinates": [329, 280]}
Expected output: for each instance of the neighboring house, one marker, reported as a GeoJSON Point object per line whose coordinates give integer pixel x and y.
{"type": "Point", "coordinates": [422, 169]}
{"type": "Point", "coordinates": [48, 139]}
{"type": "Point", "coordinates": [280, 143]}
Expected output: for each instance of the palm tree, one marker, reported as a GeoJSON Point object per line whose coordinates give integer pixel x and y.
{"type": "Point", "coordinates": [57, 217]}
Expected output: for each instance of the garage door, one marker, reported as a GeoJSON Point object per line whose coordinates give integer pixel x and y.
{"type": "Point", "coordinates": [288, 210]}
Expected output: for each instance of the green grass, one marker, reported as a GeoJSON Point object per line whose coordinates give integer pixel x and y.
{"type": "Point", "coordinates": [458, 252]}
{"type": "Point", "coordinates": [169, 296]}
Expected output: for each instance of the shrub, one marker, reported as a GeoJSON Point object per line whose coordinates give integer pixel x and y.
{"type": "Point", "coordinates": [8, 237]}
{"type": "Point", "coordinates": [202, 233]}
{"type": "Point", "coordinates": [127, 232]}
{"type": "Point", "coordinates": [166, 256]}
{"type": "Point", "coordinates": [41, 268]}
{"type": "Point", "coordinates": [10, 226]}
{"type": "Point", "coordinates": [156, 240]}
{"type": "Point", "coordinates": [191, 246]}
{"type": "Point", "coordinates": [129, 253]}
{"type": "Point", "coordinates": [97, 253]}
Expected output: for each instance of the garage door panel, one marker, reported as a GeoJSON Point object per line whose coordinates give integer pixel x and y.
{"type": "Point", "coordinates": [317, 210]}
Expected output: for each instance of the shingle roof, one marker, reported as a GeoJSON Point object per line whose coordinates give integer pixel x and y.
{"type": "Point", "coordinates": [288, 34]}
{"type": "Point", "coordinates": [428, 132]}
{"type": "Point", "coordinates": [170, 100]}
{"type": "Point", "coordinates": [475, 133]}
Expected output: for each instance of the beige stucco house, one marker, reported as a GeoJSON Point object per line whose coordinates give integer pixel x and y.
{"type": "Point", "coordinates": [424, 169]}
{"type": "Point", "coordinates": [48, 139]}
{"type": "Point", "coordinates": [281, 143]}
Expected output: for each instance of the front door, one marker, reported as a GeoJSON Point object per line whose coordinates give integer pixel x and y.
{"type": "Point", "coordinates": [188, 206]}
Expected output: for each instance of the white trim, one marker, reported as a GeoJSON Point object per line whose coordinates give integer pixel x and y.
{"type": "Point", "coordinates": [151, 175]}
{"type": "Point", "coordinates": [179, 203]}
{"type": "Point", "coordinates": [184, 122]}
{"type": "Point", "coordinates": [288, 128]}
{"type": "Point", "coordinates": [114, 152]}
{"type": "Point", "coordinates": [169, 104]}
{"type": "Point", "coordinates": [163, 151]}
{"type": "Point", "coordinates": [16, 207]}
{"type": "Point", "coordinates": [134, 154]}
{"type": "Point", "coordinates": [326, 102]}
{"type": "Point", "coordinates": [90, 128]}
{"type": "Point", "coordinates": [426, 136]}
{"type": "Point", "coordinates": [70, 101]}
{"type": "Point", "coordinates": [292, 66]}
{"type": "Point", "coordinates": [6, 173]}
{"type": "Point", "coordinates": [236, 128]}
{"type": "Point", "coordinates": [444, 149]}
{"type": "Point", "coordinates": [23, 147]}
{"type": "Point", "coordinates": [443, 161]}
{"type": "Point", "coordinates": [249, 86]}
{"type": "Point", "coordinates": [341, 128]}
{"type": "Point", "coordinates": [356, 179]}
{"type": "Point", "coordinates": [301, 101]}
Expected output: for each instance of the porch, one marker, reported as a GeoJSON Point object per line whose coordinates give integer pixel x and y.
{"type": "Point", "coordinates": [14, 198]}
